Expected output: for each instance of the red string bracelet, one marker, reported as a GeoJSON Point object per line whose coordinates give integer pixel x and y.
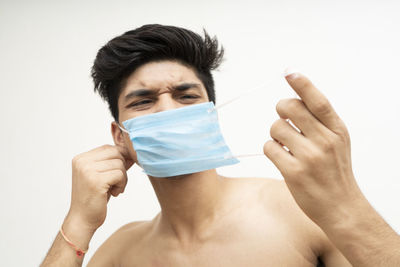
{"type": "Point", "coordinates": [79, 252]}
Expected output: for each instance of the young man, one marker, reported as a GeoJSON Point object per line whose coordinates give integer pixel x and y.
{"type": "Point", "coordinates": [207, 219]}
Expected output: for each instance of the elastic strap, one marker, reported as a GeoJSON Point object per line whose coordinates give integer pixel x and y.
{"type": "Point", "coordinates": [79, 252]}
{"type": "Point", "coordinates": [244, 93]}
{"type": "Point", "coordinates": [122, 129]}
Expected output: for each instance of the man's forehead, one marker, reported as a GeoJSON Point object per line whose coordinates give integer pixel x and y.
{"type": "Point", "coordinates": [156, 75]}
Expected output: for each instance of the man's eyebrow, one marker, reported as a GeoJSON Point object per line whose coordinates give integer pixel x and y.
{"type": "Point", "coordinates": [139, 92]}
{"type": "Point", "coordinates": [148, 92]}
{"type": "Point", "coordinates": [185, 86]}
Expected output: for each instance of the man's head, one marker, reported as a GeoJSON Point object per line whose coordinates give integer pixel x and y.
{"type": "Point", "coordinates": [154, 68]}
{"type": "Point", "coordinates": [124, 54]}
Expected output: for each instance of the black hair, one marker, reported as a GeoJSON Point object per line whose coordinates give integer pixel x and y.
{"type": "Point", "coordinates": [122, 55]}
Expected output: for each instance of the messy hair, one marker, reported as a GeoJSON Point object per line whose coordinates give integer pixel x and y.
{"type": "Point", "coordinates": [122, 55]}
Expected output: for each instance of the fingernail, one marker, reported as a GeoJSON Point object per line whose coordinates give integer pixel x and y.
{"type": "Point", "coordinates": [291, 73]}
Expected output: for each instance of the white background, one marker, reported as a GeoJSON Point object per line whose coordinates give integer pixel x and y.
{"type": "Point", "coordinates": [49, 112]}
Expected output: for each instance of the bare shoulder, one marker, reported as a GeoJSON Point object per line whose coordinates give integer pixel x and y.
{"type": "Point", "coordinates": [276, 198]}
{"type": "Point", "coordinates": [273, 194]}
{"type": "Point", "coordinates": [109, 253]}
{"type": "Point", "coordinates": [277, 201]}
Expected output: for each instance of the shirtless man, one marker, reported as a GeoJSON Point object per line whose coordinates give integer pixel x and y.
{"type": "Point", "coordinates": [207, 219]}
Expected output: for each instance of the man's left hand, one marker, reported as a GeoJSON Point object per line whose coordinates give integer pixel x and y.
{"type": "Point", "coordinates": [317, 168]}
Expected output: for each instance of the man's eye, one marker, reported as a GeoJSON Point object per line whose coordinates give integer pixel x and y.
{"type": "Point", "coordinates": [189, 97]}
{"type": "Point", "coordinates": [141, 103]}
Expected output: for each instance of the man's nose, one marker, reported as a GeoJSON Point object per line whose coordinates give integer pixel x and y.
{"type": "Point", "coordinates": [166, 102]}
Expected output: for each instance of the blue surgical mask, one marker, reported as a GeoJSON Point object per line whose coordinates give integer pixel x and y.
{"type": "Point", "coordinates": [179, 141]}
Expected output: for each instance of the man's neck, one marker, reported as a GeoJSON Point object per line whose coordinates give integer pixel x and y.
{"type": "Point", "coordinates": [190, 204]}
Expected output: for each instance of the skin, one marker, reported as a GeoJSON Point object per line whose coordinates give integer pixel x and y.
{"type": "Point", "coordinates": [207, 219]}
{"type": "Point", "coordinates": [210, 220]}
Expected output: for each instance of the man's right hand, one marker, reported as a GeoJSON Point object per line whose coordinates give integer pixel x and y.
{"type": "Point", "coordinates": [96, 175]}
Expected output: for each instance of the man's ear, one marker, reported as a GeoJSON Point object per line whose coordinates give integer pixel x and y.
{"type": "Point", "coordinates": [117, 135]}
{"type": "Point", "coordinates": [123, 146]}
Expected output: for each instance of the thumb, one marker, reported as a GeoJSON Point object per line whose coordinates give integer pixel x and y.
{"type": "Point", "coordinates": [125, 154]}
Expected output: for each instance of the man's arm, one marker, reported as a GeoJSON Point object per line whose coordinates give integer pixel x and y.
{"type": "Point", "coordinates": [364, 237]}
{"type": "Point", "coordinates": [61, 253]}
{"type": "Point", "coordinates": [327, 192]}
{"type": "Point", "coordinates": [96, 175]}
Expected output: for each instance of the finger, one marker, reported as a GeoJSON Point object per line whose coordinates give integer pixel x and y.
{"type": "Point", "coordinates": [114, 178]}
{"type": "Point", "coordinates": [288, 136]}
{"type": "Point", "coordinates": [128, 161]}
{"type": "Point", "coordinates": [109, 164]}
{"type": "Point", "coordinates": [295, 110]}
{"type": "Point", "coordinates": [314, 100]}
{"type": "Point", "coordinates": [103, 153]}
{"type": "Point", "coordinates": [115, 191]}
{"type": "Point", "coordinates": [278, 155]}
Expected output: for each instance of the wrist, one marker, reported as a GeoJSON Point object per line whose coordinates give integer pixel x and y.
{"type": "Point", "coordinates": [343, 209]}
{"type": "Point", "coordinates": [358, 231]}
{"type": "Point", "coordinates": [77, 231]}
{"type": "Point", "coordinates": [347, 214]}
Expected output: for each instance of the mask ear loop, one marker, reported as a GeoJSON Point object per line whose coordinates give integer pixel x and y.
{"type": "Point", "coordinates": [122, 129]}
{"type": "Point", "coordinates": [245, 93]}
{"type": "Point", "coordinates": [245, 155]}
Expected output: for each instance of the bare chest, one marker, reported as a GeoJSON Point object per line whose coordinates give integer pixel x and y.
{"type": "Point", "coordinates": [251, 244]}
{"type": "Point", "coordinates": [238, 255]}
{"type": "Point", "coordinates": [253, 235]}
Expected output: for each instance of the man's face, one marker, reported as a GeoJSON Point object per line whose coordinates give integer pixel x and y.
{"type": "Point", "coordinates": [156, 87]}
